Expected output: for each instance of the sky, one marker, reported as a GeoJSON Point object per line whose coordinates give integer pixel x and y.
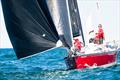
{"type": "Point", "coordinates": [107, 13]}
{"type": "Point", "coordinates": [4, 39]}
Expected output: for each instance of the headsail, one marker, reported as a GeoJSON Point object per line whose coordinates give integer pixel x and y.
{"type": "Point", "coordinates": [29, 26]}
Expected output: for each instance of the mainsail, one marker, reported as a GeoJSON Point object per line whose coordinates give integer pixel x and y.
{"type": "Point", "coordinates": [75, 19]}
{"type": "Point", "coordinates": [29, 25]}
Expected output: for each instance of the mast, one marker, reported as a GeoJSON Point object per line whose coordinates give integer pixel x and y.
{"type": "Point", "coordinates": [70, 22]}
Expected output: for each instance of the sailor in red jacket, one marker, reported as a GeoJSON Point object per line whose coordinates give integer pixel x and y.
{"type": "Point", "coordinates": [78, 44]}
{"type": "Point", "coordinates": [100, 34]}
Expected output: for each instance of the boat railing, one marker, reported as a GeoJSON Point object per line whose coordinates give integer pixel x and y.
{"type": "Point", "coordinates": [107, 48]}
{"type": "Point", "coordinates": [99, 53]}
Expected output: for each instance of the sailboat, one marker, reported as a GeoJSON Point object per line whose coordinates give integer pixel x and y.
{"type": "Point", "coordinates": [93, 55]}
{"type": "Point", "coordinates": [34, 26]}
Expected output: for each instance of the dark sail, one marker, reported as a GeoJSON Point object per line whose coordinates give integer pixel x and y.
{"type": "Point", "coordinates": [29, 25]}
{"type": "Point", "coordinates": [75, 19]}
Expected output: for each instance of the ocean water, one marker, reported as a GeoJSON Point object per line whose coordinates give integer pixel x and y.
{"type": "Point", "coordinates": [50, 65]}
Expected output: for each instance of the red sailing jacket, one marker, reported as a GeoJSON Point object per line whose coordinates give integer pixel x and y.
{"type": "Point", "coordinates": [101, 33]}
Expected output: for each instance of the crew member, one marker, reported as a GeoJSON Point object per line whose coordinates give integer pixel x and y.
{"type": "Point", "coordinates": [78, 44]}
{"type": "Point", "coordinates": [100, 34]}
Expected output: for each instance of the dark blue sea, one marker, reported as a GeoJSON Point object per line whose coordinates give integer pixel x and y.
{"type": "Point", "coordinates": [50, 65]}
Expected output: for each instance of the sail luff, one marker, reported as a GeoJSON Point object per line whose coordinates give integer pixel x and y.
{"type": "Point", "coordinates": [71, 34]}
